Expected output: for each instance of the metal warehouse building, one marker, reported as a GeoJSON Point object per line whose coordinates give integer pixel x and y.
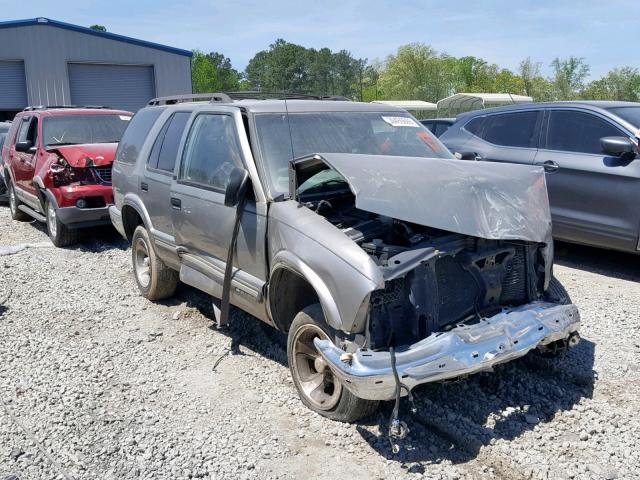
{"type": "Point", "coordinates": [46, 62]}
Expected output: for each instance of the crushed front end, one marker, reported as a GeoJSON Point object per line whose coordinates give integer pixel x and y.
{"type": "Point", "coordinates": [78, 179]}
{"type": "Point", "coordinates": [452, 305]}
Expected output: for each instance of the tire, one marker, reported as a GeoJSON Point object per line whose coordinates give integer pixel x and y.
{"type": "Point", "coordinates": [14, 203]}
{"type": "Point", "coordinates": [155, 280]}
{"type": "Point", "coordinates": [333, 400]}
{"type": "Point", "coordinates": [59, 233]}
{"type": "Point", "coordinates": [557, 293]}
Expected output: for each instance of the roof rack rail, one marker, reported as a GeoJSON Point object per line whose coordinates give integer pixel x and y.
{"type": "Point", "coordinates": [191, 97]}
{"type": "Point", "coordinates": [230, 97]}
{"type": "Point", "coordinates": [47, 107]}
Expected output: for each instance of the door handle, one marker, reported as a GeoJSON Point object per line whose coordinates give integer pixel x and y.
{"type": "Point", "coordinates": [176, 203]}
{"type": "Point", "coordinates": [549, 166]}
{"type": "Point", "coordinates": [144, 187]}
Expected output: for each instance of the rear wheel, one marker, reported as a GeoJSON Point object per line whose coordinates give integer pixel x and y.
{"type": "Point", "coordinates": [319, 389]}
{"type": "Point", "coordinates": [14, 203]}
{"type": "Point", "coordinates": [59, 233]}
{"type": "Point", "coordinates": [155, 280]}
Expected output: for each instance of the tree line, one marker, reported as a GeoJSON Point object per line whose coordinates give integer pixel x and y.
{"type": "Point", "coordinates": [414, 72]}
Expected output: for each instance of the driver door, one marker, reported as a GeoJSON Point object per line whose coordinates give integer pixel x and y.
{"type": "Point", "coordinates": [24, 163]}
{"type": "Point", "coordinates": [203, 225]}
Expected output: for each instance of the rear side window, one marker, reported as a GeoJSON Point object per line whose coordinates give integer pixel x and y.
{"type": "Point", "coordinates": [165, 149]}
{"type": "Point", "coordinates": [136, 133]}
{"type": "Point", "coordinates": [511, 129]}
{"type": "Point", "coordinates": [571, 131]}
{"type": "Point", "coordinates": [212, 151]}
{"type": "Point", "coordinates": [475, 125]}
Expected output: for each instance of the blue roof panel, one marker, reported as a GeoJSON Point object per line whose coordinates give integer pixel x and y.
{"type": "Point", "coordinates": [97, 33]}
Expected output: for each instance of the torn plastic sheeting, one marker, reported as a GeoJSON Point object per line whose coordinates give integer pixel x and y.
{"type": "Point", "coordinates": [489, 200]}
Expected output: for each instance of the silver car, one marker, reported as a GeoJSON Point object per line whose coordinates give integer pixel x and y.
{"type": "Point", "coordinates": [349, 227]}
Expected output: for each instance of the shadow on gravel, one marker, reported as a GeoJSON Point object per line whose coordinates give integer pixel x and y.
{"type": "Point", "coordinates": [454, 420]}
{"type": "Point", "coordinates": [625, 266]}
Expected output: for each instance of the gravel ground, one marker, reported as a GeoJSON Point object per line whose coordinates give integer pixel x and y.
{"type": "Point", "coordinates": [98, 383]}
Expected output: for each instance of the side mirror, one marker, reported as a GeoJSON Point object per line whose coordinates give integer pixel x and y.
{"type": "Point", "coordinates": [24, 146]}
{"type": "Point", "coordinates": [236, 187]}
{"type": "Point", "coordinates": [467, 156]}
{"type": "Point", "coordinates": [618, 146]}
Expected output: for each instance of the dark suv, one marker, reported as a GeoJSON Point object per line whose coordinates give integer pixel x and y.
{"type": "Point", "coordinates": [57, 166]}
{"type": "Point", "coordinates": [317, 217]}
{"type": "Point", "coordinates": [589, 151]}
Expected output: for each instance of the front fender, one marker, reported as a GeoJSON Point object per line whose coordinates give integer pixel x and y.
{"type": "Point", "coordinates": [290, 262]}
{"type": "Point", "coordinates": [341, 273]}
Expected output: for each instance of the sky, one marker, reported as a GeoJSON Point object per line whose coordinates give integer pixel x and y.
{"type": "Point", "coordinates": [503, 32]}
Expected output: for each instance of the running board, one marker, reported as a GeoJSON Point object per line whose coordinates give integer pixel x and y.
{"type": "Point", "coordinates": [33, 213]}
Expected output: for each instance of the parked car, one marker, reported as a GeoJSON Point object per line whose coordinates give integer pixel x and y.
{"type": "Point", "coordinates": [57, 165]}
{"type": "Point", "coordinates": [438, 126]}
{"type": "Point", "coordinates": [589, 151]}
{"type": "Point", "coordinates": [382, 277]}
{"type": "Point", "coordinates": [4, 128]}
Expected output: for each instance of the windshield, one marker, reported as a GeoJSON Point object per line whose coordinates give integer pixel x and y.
{"type": "Point", "coordinates": [367, 133]}
{"type": "Point", "coordinates": [630, 114]}
{"type": "Point", "coordinates": [75, 129]}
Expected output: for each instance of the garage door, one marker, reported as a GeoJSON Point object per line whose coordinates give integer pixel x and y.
{"type": "Point", "coordinates": [119, 86]}
{"type": "Point", "coordinates": [13, 88]}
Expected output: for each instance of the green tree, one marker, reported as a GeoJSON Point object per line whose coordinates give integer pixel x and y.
{"type": "Point", "coordinates": [618, 84]}
{"type": "Point", "coordinates": [417, 72]}
{"type": "Point", "coordinates": [293, 68]}
{"type": "Point", "coordinates": [100, 28]}
{"type": "Point", "coordinates": [212, 72]}
{"type": "Point", "coordinates": [568, 78]}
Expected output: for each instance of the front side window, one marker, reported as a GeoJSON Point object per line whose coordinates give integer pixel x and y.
{"type": "Point", "coordinates": [284, 137]}
{"type": "Point", "coordinates": [571, 131]}
{"type": "Point", "coordinates": [23, 134]}
{"type": "Point", "coordinates": [136, 133]}
{"type": "Point", "coordinates": [511, 129]}
{"type": "Point", "coordinates": [79, 129]}
{"type": "Point", "coordinates": [211, 152]}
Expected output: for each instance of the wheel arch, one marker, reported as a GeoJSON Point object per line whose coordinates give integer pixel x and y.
{"type": "Point", "coordinates": [134, 214]}
{"type": "Point", "coordinates": [293, 285]}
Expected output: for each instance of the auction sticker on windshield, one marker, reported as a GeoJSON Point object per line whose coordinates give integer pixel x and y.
{"type": "Point", "coordinates": [401, 122]}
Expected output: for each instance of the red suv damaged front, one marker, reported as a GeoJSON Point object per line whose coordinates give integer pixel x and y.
{"type": "Point", "coordinates": [58, 167]}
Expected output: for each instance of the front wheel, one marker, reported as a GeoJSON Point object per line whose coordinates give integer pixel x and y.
{"type": "Point", "coordinates": [59, 233]}
{"type": "Point", "coordinates": [318, 388]}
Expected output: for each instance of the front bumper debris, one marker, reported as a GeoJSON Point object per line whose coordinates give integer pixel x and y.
{"type": "Point", "coordinates": [463, 350]}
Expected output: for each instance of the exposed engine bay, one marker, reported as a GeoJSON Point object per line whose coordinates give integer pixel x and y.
{"type": "Point", "coordinates": [62, 173]}
{"type": "Point", "coordinates": [435, 279]}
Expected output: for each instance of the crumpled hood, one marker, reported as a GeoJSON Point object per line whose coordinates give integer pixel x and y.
{"type": "Point", "coordinates": [489, 200]}
{"type": "Point", "coordinates": [86, 155]}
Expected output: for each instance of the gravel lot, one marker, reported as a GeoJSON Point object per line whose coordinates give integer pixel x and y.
{"type": "Point", "coordinates": [98, 383]}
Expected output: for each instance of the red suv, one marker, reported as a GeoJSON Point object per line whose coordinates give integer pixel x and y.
{"type": "Point", "coordinates": [57, 166]}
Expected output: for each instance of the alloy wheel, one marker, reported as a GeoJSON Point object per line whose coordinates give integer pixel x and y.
{"type": "Point", "coordinates": [142, 263]}
{"type": "Point", "coordinates": [52, 224]}
{"type": "Point", "coordinates": [313, 374]}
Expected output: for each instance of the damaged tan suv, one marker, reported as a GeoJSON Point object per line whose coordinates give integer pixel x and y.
{"type": "Point", "coordinates": [349, 227]}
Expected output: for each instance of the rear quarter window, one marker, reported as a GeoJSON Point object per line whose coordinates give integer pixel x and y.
{"type": "Point", "coordinates": [474, 126]}
{"type": "Point", "coordinates": [136, 133]}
